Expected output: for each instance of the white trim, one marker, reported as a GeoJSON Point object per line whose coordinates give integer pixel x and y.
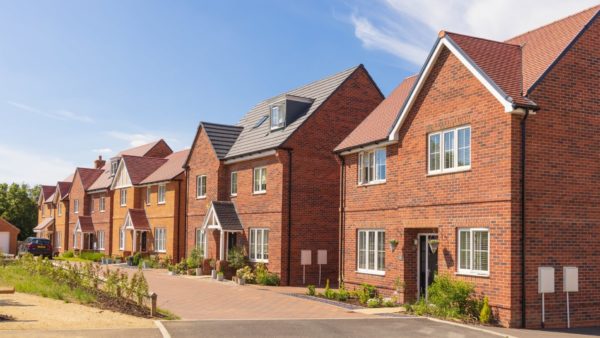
{"type": "Point", "coordinates": [160, 240]}
{"type": "Point", "coordinates": [148, 194]}
{"type": "Point", "coordinates": [251, 157]}
{"type": "Point", "coordinates": [471, 271]}
{"type": "Point", "coordinates": [455, 167]}
{"type": "Point", "coordinates": [445, 41]}
{"type": "Point", "coordinates": [75, 207]}
{"type": "Point", "coordinates": [121, 190]}
{"type": "Point", "coordinates": [261, 190]}
{"type": "Point", "coordinates": [122, 239]}
{"type": "Point", "coordinates": [231, 193]}
{"type": "Point", "coordinates": [377, 269]}
{"type": "Point", "coordinates": [262, 232]}
{"type": "Point", "coordinates": [115, 182]}
{"type": "Point", "coordinates": [426, 260]}
{"type": "Point", "coordinates": [199, 178]}
{"type": "Point", "coordinates": [368, 147]}
{"type": "Point", "coordinates": [164, 199]}
{"type": "Point", "coordinates": [102, 204]}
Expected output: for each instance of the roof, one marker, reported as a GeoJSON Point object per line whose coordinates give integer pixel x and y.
{"type": "Point", "coordinates": [137, 220]}
{"type": "Point", "coordinates": [44, 224]}
{"type": "Point", "coordinates": [7, 223]}
{"type": "Point", "coordinates": [104, 180]}
{"type": "Point", "coordinates": [46, 191]}
{"type": "Point", "coordinates": [84, 224]}
{"type": "Point", "coordinates": [227, 216]}
{"type": "Point", "coordinates": [170, 169]}
{"type": "Point", "coordinates": [376, 126]}
{"type": "Point", "coordinates": [88, 176]}
{"type": "Point", "coordinates": [139, 168]}
{"type": "Point", "coordinates": [254, 139]}
{"type": "Point", "coordinates": [222, 137]}
{"type": "Point", "coordinates": [141, 150]}
{"type": "Point", "coordinates": [541, 47]}
{"type": "Point", "coordinates": [63, 189]}
{"type": "Point", "coordinates": [69, 178]}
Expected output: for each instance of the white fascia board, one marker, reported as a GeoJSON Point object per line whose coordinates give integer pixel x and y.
{"type": "Point", "coordinates": [445, 41]}
{"type": "Point", "coordinates": [120, 168]}
{"type": "Point", "coordinates": [251, 157]}
{"type": "Point", "coordinates": [367, 147]}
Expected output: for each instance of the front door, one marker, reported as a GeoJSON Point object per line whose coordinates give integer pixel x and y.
{"type": "Point", "coordinates": [427, 262]}
{"type": "Point", "coordinates": [231, 240]}
{"type": "Point", "coordinates": [143, 241]}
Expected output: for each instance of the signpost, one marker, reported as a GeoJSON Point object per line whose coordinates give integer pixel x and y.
{"type": "Point", "coordinates": [321, 260]}
{"type": "Point", "coordinates": [570, 284]}
{"type": "Point", "coordinates": [545, 285]}
{"type": "Point", "coordinates": [305, 259]}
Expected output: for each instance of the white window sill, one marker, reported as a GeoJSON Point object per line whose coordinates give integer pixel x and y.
{"type": "Point", "coordinates": [102, 210]}
{"type": "Point", "coordinates": [161, 251]}
{"type": "Point", "coordinates": [201, 197]}
{"type": "Point", "coordinates": [161, 203]}
{"type": "Point", "coordinates": [371, 272]}
{"type": "Point", "coordinates": [259, 260]}
{"type": "Point", "coordinates": [449, 171]}
{"type": "Point", "coordinates": [371, 183]}
{"type": "Point", "coordinates": [123, 205]}
{"type": "Point", "coordinates": [233, 195]}
{"type": "Point", "coordinates": [259, 192]}
{"type": "Point", "coordinates": [472, 274]}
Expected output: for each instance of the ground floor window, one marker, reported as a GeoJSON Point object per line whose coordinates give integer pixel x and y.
{"type": "Point", "coordinates": [200, 239]}
{"type": "Point", "coordinates": [100, 241]}
{"type": "Point", "coordinates": [371, 251]}
{"type": "Point", "coordinates": [473, 251]}
{"type": "Point", "coordinates": [58, 239]}
{"type": "Point", "coordinates": [74, 240]}
{"type": "Point", "coordinates": [160, 240]}
{"type": "Point", "coordinates": [259, 245]}
{"type": "Point", "coordinates": [122, 239]}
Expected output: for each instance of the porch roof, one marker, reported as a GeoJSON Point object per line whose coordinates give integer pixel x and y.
{"type": "Point", "coordinates": [44, 225]}
{"type": "Point", "coordinates": [136, 220]}
{"type": "Point", "coordinates": [84, 224]}
{"type": "Point", "coordinates": [223, 216]}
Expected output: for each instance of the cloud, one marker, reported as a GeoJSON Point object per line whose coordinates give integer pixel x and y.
{"type": "Point", "coordinates": [134, 139]}
{"type": "Point", "coordinates": [26, 166]}
{"type": "Point", "coordinates": [407, 28]}
{"type": "Point", "coordinates": [102, 151]}
{"type": "Point", "coordinates": [61, 114]}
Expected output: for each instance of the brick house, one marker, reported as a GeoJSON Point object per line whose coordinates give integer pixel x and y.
{"type": "Point", "coordinates": [148, 208]}
{"type": "Point", "coordinates": [46, 212]}
{"type": "Point", "coordinates": [8, 237]}
{"type": "Point", "coordinates": [434, 177]}
{"type": "Point", "coordinates": [61, 223]}
{"type": "Point", "coordinates": [270, 183]}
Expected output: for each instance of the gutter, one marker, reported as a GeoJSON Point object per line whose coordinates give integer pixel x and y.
{"type": "Point", "coordinates": [341, 220]}
{"type": "Point", "coordinates": [185, 217]}
{"type": "Point", "coordinates": [523, 241]}
{"type": "Point", "coordinates": [289, 227]}
{"type": "Point", "coordinates": [178, 228]}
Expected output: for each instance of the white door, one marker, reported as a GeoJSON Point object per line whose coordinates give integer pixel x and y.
{"type": "Point", "coordinates": [4, 241]}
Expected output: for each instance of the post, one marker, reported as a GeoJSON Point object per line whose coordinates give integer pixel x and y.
{"type": "Point", "coordinates": [303, 274]}
{"type": "Point", "coordinates": [153, 296]}
{"type": "Point", "coordinates": [543, 311]}
{"type": "Point", "coordinates": [134, 245]}
{"type": "Point", "coordinates": [221, 246]}
{"type": "Point", "coordinates": [568, 313]}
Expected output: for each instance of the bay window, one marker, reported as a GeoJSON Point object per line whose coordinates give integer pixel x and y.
{"type": "Point", "coordinates": [449, 150]}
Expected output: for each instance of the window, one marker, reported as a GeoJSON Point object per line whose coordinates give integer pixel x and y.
{"type": "Point", "coordinates": [234, 183]}
{"type": "Point", "coordinates": [473, 251]}
{"type": "Point", "coordinates": [148, 192]}
{"type": "Point", "coordinates": [260, 180]}
{"type": "Point", "coordinates": [371, 251]}
{"type": "Point", "coordinates": [76, 206]}
{"type": "Point", "coordinates": [201, 186]}
{"type": "Point", "coordinates": [162, 188]}
{"type": "Point", "coordinates": [260, 121]}
{"type": "Point", "coordinates": [102, 204]}
{"type": "Point", "coordinates": [450, 150]}
{"type": "Point", "coordinates": [277, 118]}
{"type": "Point", "coordinates": [43, 211]}
{"type": "Point", "coordinates": [160, 239]}
{"type": "Point", "coordinates": [200, 239]}
{"type": "Point", "coordinates": [259, 245]}
{"type": "Point", "coordinates": [371, 166]}
{"type": "Point", "coordinates": [113, 167]}
{"type": "Point", "coordinates": [58, 239]}
{"type": "Point", "coordinates": [74, 240]}
{"type": "Point", "coordinates": [123, 196]}
{"type": "Point", "coordinates": [122, 239]}
{"type": "Point", "coordinates": [59, 209]}
{"type": "Point", "coordinates": [100, 240]}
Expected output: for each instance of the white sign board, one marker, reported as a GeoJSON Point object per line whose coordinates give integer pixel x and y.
{"type": "Point", "coordinates": [570, 279]}
{"type": "Point", "coordinates": [322, 257]}
{"type": "Point", "coordinates": [545, 279]}
{"type": "Point", "coordinates": [305, 257]}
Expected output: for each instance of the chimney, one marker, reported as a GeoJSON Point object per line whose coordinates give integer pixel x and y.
{"type": "Point", "coordinates": [99, 163]}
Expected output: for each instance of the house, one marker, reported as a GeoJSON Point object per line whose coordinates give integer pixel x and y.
{"type": "Point", "coordinates": [483, 166]}
{"type": "Point", "coordinates": [148, 208]}
{"type": "Point", "coordinates": [46, 212]}
{"type": "Point", "coordinates": [61, 222]}
{"type": "Point", "coordinates": [82, 234]}
{"type": "Point", "coordinates": [8, 237]}
{"type": "Point", "coordinates": [270, 184]}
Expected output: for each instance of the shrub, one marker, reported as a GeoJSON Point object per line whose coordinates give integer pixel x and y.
{"type": "Point", "coordinates": [236, 257]}
{"type": "Point", "coordinates": [196, 257]}
{"type": "Point", "coordinates": [342, 294]}
{"type": "Point", "coordinates": [68, 254]}
{"type": "Point", "coordinates": [329, 294]}
{"type": "Point", "coordinates": [485, 316]}
{"type": "Point", "coordinates": [311, 290]}
{"type": "Point", "coordinates": [452, 298]}
{"type": "Point", "coordinates": [374, 302]}
{"type": "Point", "coordinates": [136, 259]}
{"type": "Point", "coordinates": [366, 292]}
{"type": "Point", "coordinates": [246, 273]}
{"type": "Point", "coordinates": [389, 302]}
{"type": "Point", "coordinates": [264, 277]}
{"type": "Point", "coordinates": [91, 256]}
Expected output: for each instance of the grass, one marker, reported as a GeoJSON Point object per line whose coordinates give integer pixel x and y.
{"type": "Point", "coordinates": [70, 259]}
{"type": "Point", "coordinates": [23, 281]}
{"type": "Point", "coordinates": [168, 315]}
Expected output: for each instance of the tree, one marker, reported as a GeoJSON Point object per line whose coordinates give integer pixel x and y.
{"type": "Point", "coordinates": [18, 205]}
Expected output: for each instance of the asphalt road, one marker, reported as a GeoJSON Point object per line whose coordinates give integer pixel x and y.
{"type": "Point", "coordinates": [384, 327]}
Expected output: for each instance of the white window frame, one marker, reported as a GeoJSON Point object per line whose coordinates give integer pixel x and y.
{"type": "Point", "coordinates": [102, 204]}
{"type": "Point", "coordinates": [100, 240]}
{"type": "Point", "coordinates": [76, 206]}
{"type": "Point", "coordinates": [368, 160]}
{"type": "Point", "coordinates": [123, 197]}
{"type": "Point", "coordinates": [160, 239]}
{"type": "Point", "coordinates": [74, 239]}
{"type": "Point", "coordinates": [201, 181]}
{"type": "Point", "coordinates": [232, 185]}
{"type": "Point", "coordinates": [280, 121]}
{"type": "Point", "coordinates": [148, 194]}
{"type": "Point", "coordinates": [162, 194]}
{"type": "Point", "coordinates": [114, 165]}
{"type": "Point", "coordinates": [58, 239]}
{"type": "Point", "coordinates": [122, 239]}
{"type": "Point", "coordinates": [377, 270]}
{"type": "Point", "coordinates": [59, 207]}
{"type": "Point", "coordinates": [256, 239]}
{"type": "Point", "coordinates": [201, 240]}
{"type": "Point", "coordinates": [261, 174]}
{"type": "Point", "coordinates": [471, 250]}
{"type": "Point", "coordinates": [442, 153]}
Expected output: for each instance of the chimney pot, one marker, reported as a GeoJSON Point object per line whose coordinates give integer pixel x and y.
{"type": "Point", "coordinates": [99, 163]}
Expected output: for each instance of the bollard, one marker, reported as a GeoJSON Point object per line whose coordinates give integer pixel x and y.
{"type": "Point", "coordinates": [153, 296]}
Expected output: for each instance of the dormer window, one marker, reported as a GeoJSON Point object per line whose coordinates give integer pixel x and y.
{"type": "Point", "coordinates": [277, 118]}
{"type": "Point", "coordinates": [113, 167]}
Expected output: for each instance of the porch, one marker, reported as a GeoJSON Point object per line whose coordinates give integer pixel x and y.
{"type": "Point", "coordinates": [221, 221]}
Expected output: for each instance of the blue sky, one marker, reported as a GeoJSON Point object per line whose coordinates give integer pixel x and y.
{"type": "Point", "coordinates": [80, 78]}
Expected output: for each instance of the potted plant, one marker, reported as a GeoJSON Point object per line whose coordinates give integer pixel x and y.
{"type": "Point", "coordinates": [433, 244]}
{"type": "Point", "coordinates": [220, 276]}
{"type": "Point", "coordinates": [213, 272]}
{"type": "Point", "coordinates": [171, 269]}
{"type": "Point", "coordinates": [393, 244]}
{"type": "Point", "coordinates": [130, 261]}
{"type": "Point", "coordinates": [117, 260]}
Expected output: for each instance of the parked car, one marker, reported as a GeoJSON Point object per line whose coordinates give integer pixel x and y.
{"type": "Point", "coordinates": [37, 247]}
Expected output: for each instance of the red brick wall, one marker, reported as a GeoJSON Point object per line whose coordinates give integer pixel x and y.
{"type": "Point", "coordinates": [103, 220]}
{"type": "Point", "coordinates": [563, 203]}
{"type": "Point", "coordinates": [77, 192]}
{"type": "Point", "coordinates": [411, 202]}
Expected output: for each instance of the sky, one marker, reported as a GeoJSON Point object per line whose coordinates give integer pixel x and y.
{"type": "Point", "coordinates": [80, 79]}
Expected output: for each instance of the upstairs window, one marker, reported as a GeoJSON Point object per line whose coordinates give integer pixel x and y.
{"type": "Point", "coordinates": [260, 180]}
{"type": "Point", "coordinates": [113, 167]}
{"type": "Point", "coordinates": [277, 118]}
{"type": "Point", "coordinates": [372, 166]}
{"type": "Point", "coordinates": [102, 205]}
{"type": "Point", "coordinates": [234, 176]}
{"type": "Point", "coordinates": [148, 194]}
{"type": "Point", "coordinates": [162, 192]}
{"type": "Point", "coordinates": [449, 150]}
{"type": "Point", "coordinates": [59, 209]}
{"type": "Point", "coordinates": [123, 197]}
{"type": "Point", "coordinates": [201, 186]}
{"type": "Point", "coordinates": [76, 206]}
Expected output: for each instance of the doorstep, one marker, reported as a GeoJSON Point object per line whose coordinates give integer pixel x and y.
{"type": "Point", "coordinates": [380, 310]}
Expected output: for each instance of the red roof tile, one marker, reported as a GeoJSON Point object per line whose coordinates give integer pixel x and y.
{"type": "Point", "coordinates": [170, 169]}
{"type": "Point", "coordinates": [141, 150]}
{"type": "Point", "coordinates": [63, 189]}
{"type": "Point", "coordinates": [88, 176]}
{"type": "Point", "coordinates": [141, 167]}
{"type": "Point", "coordinates": [85, 224]}
{"type": "Point", "coordinates": [7, 223]}
{"type": "Point", "coordinates": [139, 221]}
{"type": "Point", "coordinates": [47, 191]}
{"type": "Point", "coordinates": [377, 125]}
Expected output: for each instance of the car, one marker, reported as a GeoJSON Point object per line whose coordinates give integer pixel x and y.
{"type": "Point", "coordinates": [37, 247]}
